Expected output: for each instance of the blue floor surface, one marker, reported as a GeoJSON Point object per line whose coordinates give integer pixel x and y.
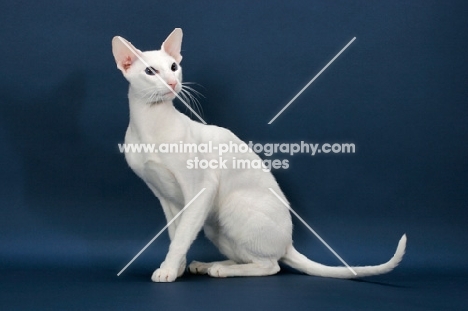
{"type": "Point", "coordinates": [91, 289]}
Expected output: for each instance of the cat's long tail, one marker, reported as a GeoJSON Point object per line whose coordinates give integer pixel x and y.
{"type": "Point", "coordinates": [298, 261]}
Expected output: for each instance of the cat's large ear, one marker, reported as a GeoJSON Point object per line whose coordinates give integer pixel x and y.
{"type": "Point", "coordinates": [124, 52]}
{"type": "Point", "coordinates": [173, 44]}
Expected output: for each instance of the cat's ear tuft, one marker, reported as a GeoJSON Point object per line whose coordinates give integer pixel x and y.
{"type": "Point", "coordinates": [124, 52]}
{"type": "Point", "coordinates": [173, 44]}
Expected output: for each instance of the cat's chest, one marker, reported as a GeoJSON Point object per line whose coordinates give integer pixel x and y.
{"type": "Point", "coordinates": [139, 152]}
{"type": "Point", "coordinates": [152, 169]}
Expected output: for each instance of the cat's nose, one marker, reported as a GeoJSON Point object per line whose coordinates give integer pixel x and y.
{"type": "Point", "coordinates": [172, 84]}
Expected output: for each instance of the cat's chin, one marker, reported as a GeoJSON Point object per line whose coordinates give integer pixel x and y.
{"type": "Point", "coordinates": [169, 96]}
{"type": "Point", "coordinates": [165, 98]}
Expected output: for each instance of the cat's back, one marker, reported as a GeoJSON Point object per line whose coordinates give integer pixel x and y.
{"type": "Point", "coordinates": [217, 135]}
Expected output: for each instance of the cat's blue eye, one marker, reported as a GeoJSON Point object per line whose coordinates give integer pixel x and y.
{"type": "Point", "coordinates": [150, 71]}
{"type": "Point", "coordinates": [174, 67]}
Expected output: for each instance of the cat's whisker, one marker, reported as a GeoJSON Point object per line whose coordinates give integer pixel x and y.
{"type": "Point", "coordinates": [186, 99]}
{"type": "Point", "coordinates": [146, 90]}
{"type": "Point", "coordinates": [148, 93]}
{"type": "Point", "coordinates": [193, 93]}
{"type": "Point", "coordinates": [193, 90]}
{"type": "Point", "coordinates": [196, 103]}
{"type": "Point", "coordinates": [184, 86]}
{"type": "Point", "coordinates": [192, 100]}
{"type": "Point", "coordinates": [156, 97]}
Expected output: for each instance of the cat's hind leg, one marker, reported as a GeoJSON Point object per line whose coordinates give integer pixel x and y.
{"type": "Point", "coordinates": [258, 268]}
{"type": "Point", "coordinates": [197, 267]}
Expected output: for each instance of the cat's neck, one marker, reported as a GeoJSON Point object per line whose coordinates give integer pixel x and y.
{"type": "Point", "coordinates": [151, 120]}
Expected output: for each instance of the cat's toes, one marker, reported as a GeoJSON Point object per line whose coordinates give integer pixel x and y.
{"type": "Point", "coordinates": [217, 271]}
{"type": "Point", "coordinates": [164, 275]}
{"type": "Point", "coordinates": [197, 267]}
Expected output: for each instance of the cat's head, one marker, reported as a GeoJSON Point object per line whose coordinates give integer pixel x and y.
{"type": "Point", "coordinates": [153, 75]}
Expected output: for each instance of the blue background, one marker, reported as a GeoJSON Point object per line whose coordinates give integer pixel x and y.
{"type": "Point", "coordinates": [73, 213]}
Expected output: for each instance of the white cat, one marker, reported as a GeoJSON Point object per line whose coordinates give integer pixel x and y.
{"type": "Point", "coordinates": [237, 211]}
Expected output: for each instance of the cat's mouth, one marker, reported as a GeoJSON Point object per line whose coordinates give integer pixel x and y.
{"type": "Point", "coordinates": [169, 94]}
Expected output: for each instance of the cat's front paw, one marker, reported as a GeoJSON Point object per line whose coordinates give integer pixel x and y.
{"type": "Point", "coordinates": [164, 275]}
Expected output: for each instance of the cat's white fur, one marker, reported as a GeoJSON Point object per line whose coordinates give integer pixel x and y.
{"type": "Point", "coordinates": [237, 211]}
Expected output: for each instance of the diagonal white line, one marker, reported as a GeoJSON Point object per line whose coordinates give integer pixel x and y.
{"type": "Point", "coordinates": [161, 231]}
{"type": "Point", "coordinates": [162, 80]}
{"type": "Point", "coordinates": [313, 231]}
{"type": "Point", "coordinates": [310, 82]}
